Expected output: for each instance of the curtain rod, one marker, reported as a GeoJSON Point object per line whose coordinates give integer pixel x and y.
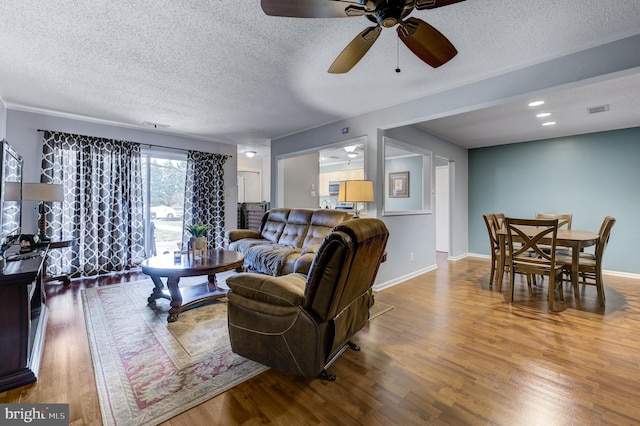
{"type": "Point", "coordinates": [141, 144]}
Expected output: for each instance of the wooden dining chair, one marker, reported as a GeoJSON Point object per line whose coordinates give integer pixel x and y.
{"type": "Point", "coordinates": [499, 220]}
{"type": "Point", "coordinates": [564, 222]}
{"type": "Point", "coordinates": [590, 265]}
{"type": "Point", "coordinates": [526, 255]}
{"type": "Point", "coordinates": [492, 226]}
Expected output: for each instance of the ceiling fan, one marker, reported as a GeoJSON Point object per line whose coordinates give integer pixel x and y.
{"type": "Point", "coordinates": [426, 42]}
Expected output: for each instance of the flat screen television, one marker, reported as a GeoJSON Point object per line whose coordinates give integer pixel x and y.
{"type": "Point", "coordinates": [10, 195]}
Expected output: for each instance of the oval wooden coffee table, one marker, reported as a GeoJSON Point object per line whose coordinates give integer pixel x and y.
{"type": "Point", "coordinates": [217, 260]}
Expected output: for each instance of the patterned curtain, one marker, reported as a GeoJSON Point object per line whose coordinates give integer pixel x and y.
{"type": "Point", "coordinates": [103, 203]}
{"type": "Point", "coordinates": [204, 195]}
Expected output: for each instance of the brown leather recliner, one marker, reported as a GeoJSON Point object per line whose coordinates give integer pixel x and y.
{"type": "Point", "coordinates": [302, 323]}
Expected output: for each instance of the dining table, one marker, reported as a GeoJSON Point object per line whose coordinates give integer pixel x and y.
{"type": "Point", "coordinates": [576, 240]}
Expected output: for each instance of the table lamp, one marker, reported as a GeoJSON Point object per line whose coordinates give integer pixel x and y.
{"type": "Point", "coordinates": [43, 192]}
{"type": "Point", "coordinates": [356, 191]}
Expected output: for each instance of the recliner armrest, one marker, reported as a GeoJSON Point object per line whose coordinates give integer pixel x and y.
{"type": "Point", "coordinates": [303, 263]}
{"type": "Point", "coordinates": [287, 290]}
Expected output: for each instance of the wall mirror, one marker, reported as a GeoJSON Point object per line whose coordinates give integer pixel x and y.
{"type": "Point", "coordinates": [407, 179]}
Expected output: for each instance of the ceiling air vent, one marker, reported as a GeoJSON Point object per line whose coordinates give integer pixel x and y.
{"type": "Point", "coordinates": [597, 109]}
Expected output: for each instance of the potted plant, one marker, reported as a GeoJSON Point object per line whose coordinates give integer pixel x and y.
{"type": "Point", "coordinates": [198, 240]}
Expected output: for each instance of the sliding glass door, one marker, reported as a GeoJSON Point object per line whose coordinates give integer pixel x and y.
{"type": "Point", "coordinates": [163, 176]}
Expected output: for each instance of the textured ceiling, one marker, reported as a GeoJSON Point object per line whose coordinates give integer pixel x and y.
{"type": "Point", "coordinates": [225, 71]}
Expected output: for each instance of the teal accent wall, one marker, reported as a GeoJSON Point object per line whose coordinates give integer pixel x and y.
{"type": "Point", "coordinates": [590, 176]}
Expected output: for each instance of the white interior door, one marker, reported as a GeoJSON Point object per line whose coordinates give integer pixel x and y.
{"type": "Point", "coordinates": [249, 186]}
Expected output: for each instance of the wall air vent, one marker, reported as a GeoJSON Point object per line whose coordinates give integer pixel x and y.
{"type": "Point", "coordinates": [597, 109]}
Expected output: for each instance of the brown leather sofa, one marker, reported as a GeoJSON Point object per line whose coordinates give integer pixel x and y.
{"type": "Point", "coordinates": [302, 323]}
{"type": "Point", "coordinates": [286, 240]}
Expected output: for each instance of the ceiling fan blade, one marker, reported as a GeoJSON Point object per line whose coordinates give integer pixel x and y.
{"type": "Point", "coordinates": [312, 8]}
{"type": "Point", "coordinates": [355, 50]}
{"type": "Point", "coordinates": [432, 4]}
{"type": "Point", "coordinates": [426, 42]}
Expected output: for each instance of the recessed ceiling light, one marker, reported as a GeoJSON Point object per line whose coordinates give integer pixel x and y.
{"type": "Point", "coordinates": [543, 114]}
{"type": "Point", "coordinates": [536, 103]}
{"type": "Point", "coordinates": [549, 123]}
{"type": "Point", "coordinates": [250, 154]}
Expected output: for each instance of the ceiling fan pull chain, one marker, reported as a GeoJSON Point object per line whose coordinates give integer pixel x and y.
{"type": "Point", "coordinates": [398, 54]}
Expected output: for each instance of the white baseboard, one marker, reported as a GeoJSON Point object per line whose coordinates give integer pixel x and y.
{"type": "Point", "coordinates": [462, 256]}
{"type": "Point", "coordinates": [398, 280]}
{"type": "Point", "coordinates": [479, 256]}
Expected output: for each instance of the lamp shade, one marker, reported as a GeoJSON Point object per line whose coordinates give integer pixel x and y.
{"type": "Point", "coordinates": [43, 192]}
{"type": "Point", "coordinates": [356, 191]}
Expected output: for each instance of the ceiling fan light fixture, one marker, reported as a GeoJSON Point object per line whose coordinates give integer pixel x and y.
{"type": "Point", "coordinates": [390, 15]}
{"type": "Point", "coordinates": [350, 148]}
{"type": "Point", "coordinates": [426, 42]}
{"type": "Point", "coordinates": [250, 154]}
{"type": "Point", "coordinates": [352, 154]}
{"type": "Point", "coordinates": [389, 22]}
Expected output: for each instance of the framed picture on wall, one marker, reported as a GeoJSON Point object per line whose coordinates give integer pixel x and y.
{"type": "Point", "coordinates": [399, 185]}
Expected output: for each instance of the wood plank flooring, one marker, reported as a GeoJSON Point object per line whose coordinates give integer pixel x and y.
{"type": "Point", "coordinates": [452, 351]}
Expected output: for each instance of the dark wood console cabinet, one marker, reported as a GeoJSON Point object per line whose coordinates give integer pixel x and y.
{"type": "Point", "coordinates": [23, 321]}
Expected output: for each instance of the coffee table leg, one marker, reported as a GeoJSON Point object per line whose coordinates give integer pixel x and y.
{"type": "Point", "coordinates": [213, 283]}
{"type": "Point", "coordinates": [157, 290]}
{"type": "Point", "coordinates": [176, 298]}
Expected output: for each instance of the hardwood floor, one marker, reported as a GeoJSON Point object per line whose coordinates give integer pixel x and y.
{"type": "Point", "coordinates": [452, 351]}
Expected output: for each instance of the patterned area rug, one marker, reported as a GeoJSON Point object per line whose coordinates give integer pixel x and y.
{"type": "Point", "coordinates": [147, 370]}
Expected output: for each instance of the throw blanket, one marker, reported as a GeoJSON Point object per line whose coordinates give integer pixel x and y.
{"type": "Point", "coordinates": [268, 258]}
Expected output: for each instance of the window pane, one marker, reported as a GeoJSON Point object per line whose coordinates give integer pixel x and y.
{"type": "Point", "coordinates": [164, 180]}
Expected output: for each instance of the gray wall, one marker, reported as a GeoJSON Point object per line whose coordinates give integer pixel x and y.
{"type": "Point", "coordinates": [590, 176]}
{"type": "Point", "coordinates": [408, 234]}
{"type": "Point", "coordinates": [21, 132]}
{"type": "Point", "coordinates": [417, 233]}
{"type": "Point", "coordinates": [3, 119]}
